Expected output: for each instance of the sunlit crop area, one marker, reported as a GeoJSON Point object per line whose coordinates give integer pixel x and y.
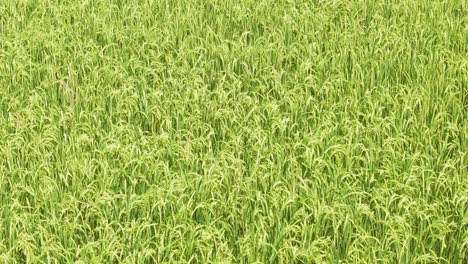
{"type": "Point", "coordinates": [250, 131]}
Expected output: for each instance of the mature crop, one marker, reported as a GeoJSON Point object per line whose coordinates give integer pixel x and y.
{"type": "Point", "coordinates": [266, 131]}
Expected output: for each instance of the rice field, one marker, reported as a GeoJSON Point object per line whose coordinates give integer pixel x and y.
{"type": "Point", "coordinates": [266, 131]}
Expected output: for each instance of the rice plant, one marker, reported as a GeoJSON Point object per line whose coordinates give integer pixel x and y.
{"type": "Point", "coordinates": [196, 131]}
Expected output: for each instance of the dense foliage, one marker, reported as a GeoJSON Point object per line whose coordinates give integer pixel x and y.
{"type": "Point", "coordinates": [226, 131]}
